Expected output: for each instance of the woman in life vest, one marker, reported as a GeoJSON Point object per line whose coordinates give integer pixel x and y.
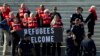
{"type": "Point", "coordinates": [39, 13]}
{"type": "Point", "coordinates": [15, 26]}
{"type": "Point", "coordinates": [32, 21]}
{"type": "Point", "coordinates": [40, 10]}
{"type": "Point", "coordinates": [4, 11]}
{"type": "Point", "coordinates": [22, 10]}
{"type": "Point", "coordinates": [56, 23]}
{"type": "Point", "coordinates": [46, 17]}
{"type": "Point", "coordinates": [25, 21]}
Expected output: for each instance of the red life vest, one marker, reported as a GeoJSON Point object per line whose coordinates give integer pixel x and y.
{"type": "Point", "coordinates": [58, 23]}
{"type": "Point", "coordinates": [40, 11]}
{"type": "Point", "coordinates": [25, 22]}
{"type": "Point", "coordinates": [22, 11]}
{"type": "Point", "coordinates": [46, 19]}
{"type": "Point", "coordinates": [32, 23]}
{"type": "Point", "coordinates": [5, 12]}
{"type": "Point", "coordinates": [16, 26]}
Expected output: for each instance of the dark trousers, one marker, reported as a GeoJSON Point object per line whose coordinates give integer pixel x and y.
{"type": "Point", "coordinates": [56, 46]}
{"type": "Point", "coordinates": [77, 48]}
{"type": "Point", "coordinates": [71, 51]}
{"type": "Point", "coordinates": [37, 49]}
{"type": "Point", "coordinates": [46, 49]}
{"type": "Point", "coordinates": [87, 54]}
{"type": "Point", "coordinates": [15, 41]}
{"type": "Point", "coordinates": [91, 29]}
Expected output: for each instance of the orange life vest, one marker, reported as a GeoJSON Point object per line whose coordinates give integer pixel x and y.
{"type": "Point", "coordinates": [5, 12]}
{"type": "Point", "coordinates": [40, 11]}
{"type": "Point", "coordinates": [46, 19]}
{"type": "Point", "coordinates": [21, 12]}
{"type": "Point", "coordinates": [16, 26]}
{"type": "Point", "coordinates": [58, 23]}
{"type": "Point", "coordinates": [32, 23]}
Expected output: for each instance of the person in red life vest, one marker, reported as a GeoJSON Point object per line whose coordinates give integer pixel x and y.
{"type": "Point", "coordinates": [56, 22]}
{"type": "Point", "coordinates": [4, 11]}
{"type": "Point", "coordinates": [39, 13]}
{"type": "Point", "coordinates": [15, 26]}
{"type": "Point", "coordinates": [91, 19]}
{"type": "Point", "coordinates": [10, 18]}
{"type": "Point", "coordinates": [22, 10]}
{"type": "Point", "coordinates": [46, 17]}
{"type": "Point", "coordinates": [6, 33]}
{"type": "Point", "coordinates": [32, 21]}
{"type": "Point", "coordinates": [40, 10]}
{"type": "Point", "coordinates": [25, 21]}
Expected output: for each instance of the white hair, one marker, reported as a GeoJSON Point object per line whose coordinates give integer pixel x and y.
{"type": "Point", "coordinates": [46, 10]}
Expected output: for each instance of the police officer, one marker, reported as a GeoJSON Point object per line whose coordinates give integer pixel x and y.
{"type": "Point", "coordinates": [22, 10]}
{"type": "Point", "coordinates": [78, 30]}
{"type": "Point", "coordinates": [88, 47]}
{"type": "Point", "coordinates": [25, 47]}
{"type": "Point", "coordinates": [71, 43]}
{"type": "Point", "coordinates": [76, 15]}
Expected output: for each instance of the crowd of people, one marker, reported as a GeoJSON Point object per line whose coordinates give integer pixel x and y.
{"type": "Point", "coordinates": [21, 46]}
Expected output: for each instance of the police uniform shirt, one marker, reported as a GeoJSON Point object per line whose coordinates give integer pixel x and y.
{"type": "Point", "coordinates": [26, 46]}
{"type": "Point", "coordinates": [74, 16]}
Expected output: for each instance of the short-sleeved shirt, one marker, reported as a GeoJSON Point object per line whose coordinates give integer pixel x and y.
{"type": "Point", "coordinates": [26, 47]}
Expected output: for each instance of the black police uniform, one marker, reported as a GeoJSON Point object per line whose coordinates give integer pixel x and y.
{"type": "Point", "coordinates": [26, 47]}
{"type": "Point", "coordinates": [91, 22]}
{"type": "Point", "coordinates": [88, 47]}
{"type": "Point", "coordinates": [79, 33]}
{"type": "Point", "coordinates": [70, 46]}
{"type": "Point", "coordinates": [74, 16]}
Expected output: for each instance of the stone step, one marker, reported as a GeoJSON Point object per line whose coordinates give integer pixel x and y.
{"type": "Point", "coordinates": [63, 51]}
{"type": "Point", "coordinates": [50, 0]}
{"type": "Point", "coordinates": [56, 3]}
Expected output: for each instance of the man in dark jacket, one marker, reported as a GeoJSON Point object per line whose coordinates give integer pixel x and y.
{"type": "Point", "coordinates": [88, 47]}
